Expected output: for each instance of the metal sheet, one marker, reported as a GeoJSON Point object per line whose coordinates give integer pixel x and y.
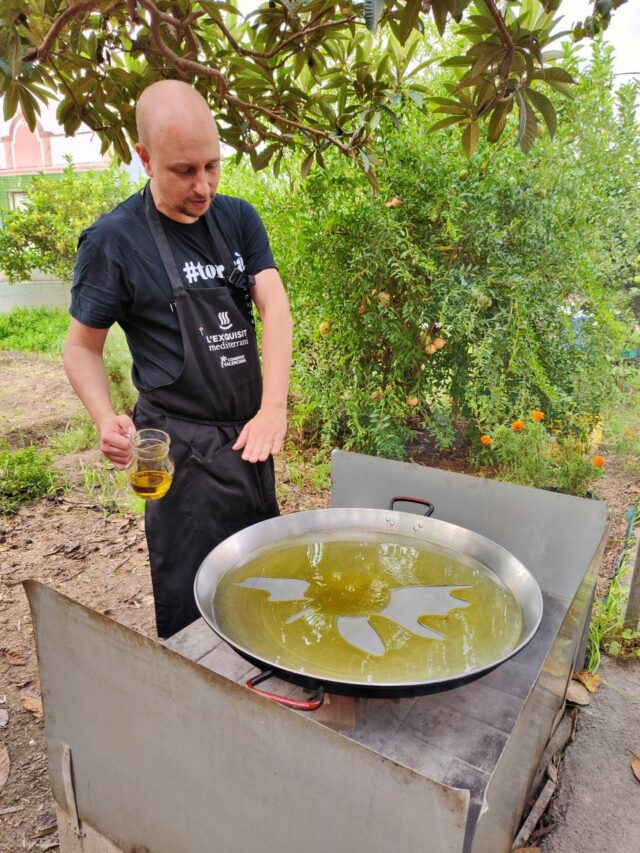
{"type": "Point", "coordinates": [169, 756]}
{"type": "Point", "coordinates": [554, 535]}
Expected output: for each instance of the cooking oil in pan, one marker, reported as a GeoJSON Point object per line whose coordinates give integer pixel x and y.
{"type": "Point", "coordinates": [150, 485]}
{"type": "Point", "coordinates": [382, 611]}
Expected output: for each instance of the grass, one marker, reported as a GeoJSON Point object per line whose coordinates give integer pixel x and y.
{"type": "Point", "coordinates": [307, 468]}
{"type": "Point", "coordinates": [79, 434]}
{"type": "Point", "coordinates": [621, 430]}
{"type": "Point", "coordinates": [608, 631]}
{"type": "Point", "coordinates": [25, 475]}
{"type": "Point", "coordinates": [111, 491]}
{"type": "Point", "coordinates": [39, 330]}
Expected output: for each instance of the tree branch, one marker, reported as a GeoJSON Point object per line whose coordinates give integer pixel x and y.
{"type": "Point", "coordinates": [510, 47]}
{"type": "Point", "coordinates": [41, 54]}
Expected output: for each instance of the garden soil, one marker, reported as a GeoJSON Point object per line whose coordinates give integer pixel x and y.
{"type": "Point", "coordinates": [70, 543]}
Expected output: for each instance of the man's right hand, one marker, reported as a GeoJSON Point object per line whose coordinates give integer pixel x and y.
{"type": "Point", "coordinates": [114, 439]}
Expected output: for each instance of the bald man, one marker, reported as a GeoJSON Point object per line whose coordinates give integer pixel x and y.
{"type": "Point", "coordinates": [179, 267]}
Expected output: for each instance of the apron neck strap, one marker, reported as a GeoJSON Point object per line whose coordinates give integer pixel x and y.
{"type": "Point", "coordinates": [160, 239]}
{"type": "Point", "coordinates": [234, 276]}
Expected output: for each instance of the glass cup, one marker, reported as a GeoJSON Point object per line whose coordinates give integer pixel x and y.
{"type": "Point", "coordinates": [151, 469]}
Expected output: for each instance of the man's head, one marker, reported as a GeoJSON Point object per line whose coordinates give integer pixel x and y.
{"type": "Point", "coordinates": [179, 147]}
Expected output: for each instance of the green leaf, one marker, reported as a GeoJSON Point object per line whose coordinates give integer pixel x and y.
{"type": "Point", "coordinates": [470, 137]}
{"type": "Point", "coordinates": [440, 12]}
{"type": "Point", "coordinates": [445, 122]}
{"type": "Point", "coordinates": [408, 20]}
{"type": "Point", "coordinates": [498, 120]}
{"type": "Point", "coordinates": [10, 101]}
{"type": "Point", "coordinates": [527, 128]}
{"type": "Point", "coordinates": [545, 108]}
{"type": "Point", "coordinates": [457, 62]}
{"type": "Point", "coordinates": [556, 75]}
{"type": "Point", "coordinates": [394, 117]}
{"type": "Point", "coordinates": [416, 97]}
{"type": "Point", "coordinates": [456, 110]}
{"type": "Point", "coordinates": [373, 10]}
{"type": "Point", "coordinates": [29, 107]}
{"type": "Point", "coordinates": [306, 164]}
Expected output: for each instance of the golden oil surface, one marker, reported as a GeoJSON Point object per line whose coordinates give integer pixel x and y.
{"type": "Point", "coordinates": [379, 609]}
{"type": "Point", "coordinates": [150, 485]}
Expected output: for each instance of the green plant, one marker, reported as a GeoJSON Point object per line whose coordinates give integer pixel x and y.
{"type": "Point", "coordinates": [40, 330]}
{"type": "Point", "coordinates": [79, 434]}
{"type": "Point", "coordinates": [25, 475]}
{"type": "Point", "coordinates": [607, 631]}
{"type": "Point", "coordinates": [110, 489]}
{"type": "Point", "coordinates": [528, 453]}
{"type": "Point", "coordinates": [117, 362]}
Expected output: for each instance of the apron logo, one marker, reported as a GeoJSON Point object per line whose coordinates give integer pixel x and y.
{"type": "Point", "coordinates": [223, 320]}
{"type": "Point", "coordinates": [225, 361]}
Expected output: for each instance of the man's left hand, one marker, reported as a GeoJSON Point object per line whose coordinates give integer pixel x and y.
{"type": "Point", "coordinates": [263, 434]}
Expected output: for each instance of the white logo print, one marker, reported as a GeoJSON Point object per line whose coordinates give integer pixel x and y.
{"type": "Point", "coordinates": [192, 272]}
{"type": "Point", "coordinates": [223, 320]}
{"type": "Point", "coordinates": [225, 361]}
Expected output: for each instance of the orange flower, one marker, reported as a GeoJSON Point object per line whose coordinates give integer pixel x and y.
{"type": "Point", "coordinates": [518, 426]}
{"type": "Point", "coordinates": [537, 415]}
{"type": "Point", "coordinates": [485, 440]}
{"type": "Point", "coordinates": [598, 461]}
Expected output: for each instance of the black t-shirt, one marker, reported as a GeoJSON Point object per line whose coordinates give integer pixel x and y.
{"type": "Point", "coordinates": [119, 277]}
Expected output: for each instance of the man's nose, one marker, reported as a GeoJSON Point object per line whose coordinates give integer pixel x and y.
{"type": "Point", "coordinates": [201, 184]}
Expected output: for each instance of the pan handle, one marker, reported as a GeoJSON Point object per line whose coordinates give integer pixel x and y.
{"type": "Point", "coordinates": [428, 504]}
{"type": "Point", "coordinates": [297, 704]}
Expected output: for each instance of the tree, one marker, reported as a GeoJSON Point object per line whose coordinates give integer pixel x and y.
{"type": "Point", "coordinates": [44, 233]}
{"type": "Point", "coordinates": [293, 73]}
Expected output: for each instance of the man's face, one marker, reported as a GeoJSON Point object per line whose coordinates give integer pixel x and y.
{"type": "Point", "coordinates": [185, 171]}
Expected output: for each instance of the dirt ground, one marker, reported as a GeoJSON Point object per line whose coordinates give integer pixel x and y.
{"type": "Point", "coordinates": [69, 543]}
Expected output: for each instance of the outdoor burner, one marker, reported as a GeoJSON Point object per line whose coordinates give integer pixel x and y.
{"type": "Point", "coordinates": [445, 772]}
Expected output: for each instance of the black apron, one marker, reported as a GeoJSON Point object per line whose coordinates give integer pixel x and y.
{"type": "Point", "coordinates": [214, 492]}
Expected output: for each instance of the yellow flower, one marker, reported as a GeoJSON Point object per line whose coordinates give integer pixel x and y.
{"type": "Point", "coordinates": [537, 415]}
{"type": "Point", "coordinates": [518, 426]}
{"type": "Point", "coordinates": [598, 461]}
{"type": "Point", "coordinates": [485, 440]}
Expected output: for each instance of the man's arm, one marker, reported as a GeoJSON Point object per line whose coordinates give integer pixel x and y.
{"type": "Point", "coordinates": [264, 434]}
{"type": "Point", "coordinates": [84, 365]}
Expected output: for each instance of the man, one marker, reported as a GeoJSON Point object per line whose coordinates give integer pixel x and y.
{"type": "Point", "coordinates": [179, 268]}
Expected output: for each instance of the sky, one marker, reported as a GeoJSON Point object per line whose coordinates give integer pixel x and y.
{"type": "Point", "coordinates": [623, 33]}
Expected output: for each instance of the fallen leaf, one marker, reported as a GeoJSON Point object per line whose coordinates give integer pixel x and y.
{"type": "Point", "coordinates": [635, 765]}
{"type": "Point", "coordinates": [578, 693]}
{"type": "Point", "coordinates": [4, 717]}
{"type": "Point", "coordinates": [395, 202]}
{"type": "Point", "coordinates": [590, 680]}
{"type": "Point", "coordinates": [30, 703]}
{"type": "Point", "coordinates": [31, 700]}
{"type": "Point", "coordinates": [5, 766]}
{"type": "Point", "coordinates": [14, 658]}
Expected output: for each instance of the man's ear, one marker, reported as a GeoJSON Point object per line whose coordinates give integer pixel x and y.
{"type": "Point", "coordinates": [145, 158]}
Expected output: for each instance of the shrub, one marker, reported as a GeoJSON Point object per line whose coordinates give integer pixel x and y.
{"type": "Point", "coordinates": [25, 475]}
{"type": "Point", "coordinates": [40, 330]}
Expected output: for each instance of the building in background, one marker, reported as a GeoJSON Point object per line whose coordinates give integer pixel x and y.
{"type": "Point", "coordinates": [24, 153]}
